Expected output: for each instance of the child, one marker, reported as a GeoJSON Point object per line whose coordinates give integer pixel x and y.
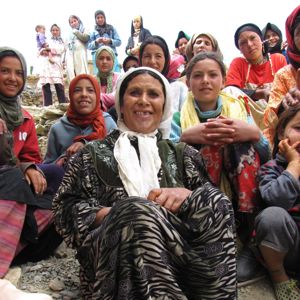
{"type": "Point", "coordinates": [42, 44]}
{"type": "Point", "coordinates": [277, 226]}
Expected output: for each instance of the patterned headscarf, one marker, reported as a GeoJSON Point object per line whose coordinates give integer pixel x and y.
{"type": "Point", "coordinates": [190, 45]}
{"type": "Point", "coordinates": [106, 76]}
{"type": "Point", "coordinates": [95, 118]}
{"type": "Point", "coordinates": [10, 108]}
{"type": "Point", "coordinates": [291, 22]}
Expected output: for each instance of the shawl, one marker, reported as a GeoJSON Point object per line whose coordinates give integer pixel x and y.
{"type": "Point", "coordinates": [191, 42]}
{"type": "Point", "coordinates": [231, 107]}
{"type": "Point", "coordinates": [107, 77]}
{"type": "Point", "coordinates": [139, 174]}
{"type": "Point", "coordinates": [10, 108]}
{"type": "Point", "coordinates": [292, 52]}
{"type": "Point", "coordinates": [95, 117]}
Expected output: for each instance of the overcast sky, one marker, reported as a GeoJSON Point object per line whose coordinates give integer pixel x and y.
{"type": "Point", "coordinates": [162, 17]}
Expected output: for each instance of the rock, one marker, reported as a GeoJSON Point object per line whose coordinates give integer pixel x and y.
{"type": "Point", "coordinates": [56, 285]}
{"type": "Point", "coordinates": [13, 275]}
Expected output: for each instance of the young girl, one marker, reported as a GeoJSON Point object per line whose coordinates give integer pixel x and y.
{"type": "Point", "coordinates": [277, 226]}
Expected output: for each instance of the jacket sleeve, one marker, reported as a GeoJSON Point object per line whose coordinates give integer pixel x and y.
{"type": "Point", "coordinates": [52, 153]}
{"type": "Point", "coordinates": [83, 37]}
{"type": "Point", "coordinates": [116, 40]}
{"type": "Point", "coordinates": [92, 44]}
{"type": "Point", "coordinates": [278, 188]}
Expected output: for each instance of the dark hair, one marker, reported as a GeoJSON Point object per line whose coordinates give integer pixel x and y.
{"type": "Point", "coordinates": [284, 119]}
{"type": "Point", "coordinates": [205, 55]}
{"type": "Point", "coordinates": [157, 40]}
{"type": "Point", "coordinates": [134, 74]}
{"type": "Point", "coordinates": [127, 59]}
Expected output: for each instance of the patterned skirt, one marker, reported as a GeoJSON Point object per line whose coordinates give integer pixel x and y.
{"type": "Point", "coordinates": [143, 251]}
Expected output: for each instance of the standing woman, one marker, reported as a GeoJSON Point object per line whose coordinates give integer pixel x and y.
{"type": "Point", "coordinates": [76, 54]}
{"type": "Point", "coordinates": [154, 53]}
{"type": "Point", "coordinates": [107, 78]}
{"type": "Point", "coordinates": [26, 221]}
{"type": "Point", "coordinates": [52, 72]}
{"type": "Point", "coordinates": [104, 35]}
{"type": "Point", "coordinates": [138, 35]}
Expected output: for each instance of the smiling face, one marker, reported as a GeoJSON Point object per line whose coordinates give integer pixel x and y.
{"type": "Point", "coordinates": [272, 37]}
{"type": "Point", "coordinates": [250, 45]}
{"type": "Point", "coordinates": [153, 57]}
{"type": "Point", "coordinates": [205, 82]}
{"type": "Point", "coordinates": [84, 97]}
{"type": "Point", "coordinates": [11, 76]}
{"type": "Point", "coordinates": [143, 103]}
{"type": "Point", "coordinates": [74, 23]}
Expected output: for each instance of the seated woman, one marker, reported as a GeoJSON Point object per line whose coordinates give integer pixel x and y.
{"type": "Point", "coordinates": [26, 220]}
{"type": "Point", "coordinates": [223, 130]}
{"type": "Point", "coordinates": [141, 207]}
{"type": "Point", "coordinates": [277, 226]}
{"type": "Point", "coordinates": [107, 78]}
{"type": "Point", "coordinates": [84, 121]}
{"type": "Point", "coordinates": [154, 53]}
{"type": "Point", "coordinates": [253, 73]}
{"type": "Point", "coordinates": [286, 79]}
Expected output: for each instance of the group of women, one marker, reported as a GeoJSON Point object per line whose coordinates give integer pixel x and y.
{"type": "Point", "coordinates": [150, 203]}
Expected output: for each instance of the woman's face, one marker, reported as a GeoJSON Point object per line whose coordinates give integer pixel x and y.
{"type": "Point", "coordinates": [136, 23]}
{"type": "Point", "coordinates": [104, 62]}
{"type": "Point", "coordinates": [84, 97]}
{"type": "Point", "coordinates": [297, 37]}
{"type": "Point", "coordinates": [250, 45]}
{"type": "Point", "coordinates": [55, 31]}
{"type": "Point", "coordinates": [143, 104]}
{"type": "Point", "coordinates": [11, 76]}
{"type": "Point", "coordinates": [74, 22]}
{"type": "Point", "coordinates": [153, 57]}
{"type": "Point", "coordinates": [205, 82]}
{"type": "Point", "coordinates": [202, 44]}
{"type": "Point", "coordinates": [272, 37]}
{"type": "Point", "coordinates": [100, 20]}
{"type": "Point", "coordinates": [182, 45]}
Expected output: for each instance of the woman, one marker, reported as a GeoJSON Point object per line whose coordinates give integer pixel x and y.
{"type": "Point", "coordinates": [202, 42]}
{"type": "Point", "coordinates": [286, 79]}
{"type": "Point", "coordinates": [143, 207]}
{"type": "Point", "coordinates": [76, 55]}
{"type": "Point", "coordinates": [154, 53]}
{"type": "Point", "coordinates": [26, 220]}
{"type": "Point", "coordinates": [107, 78]}
{"type": "Point", "coordinates": [84, 121]}
{"type": "Point", "coordinates": [253, 73]}
{"type": "Point", "coordinates": [52, 72]}
{"type": "Point", "coordinates": [104, 35]}
{"type": "Point", "coordinates": [138, 35]}
{"type": "Point", "coordinates": [232, 146]}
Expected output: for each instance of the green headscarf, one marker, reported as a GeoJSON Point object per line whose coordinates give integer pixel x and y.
{"type": "Point", "coordinates": [10, 108]}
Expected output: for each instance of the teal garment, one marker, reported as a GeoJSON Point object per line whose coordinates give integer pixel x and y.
{"type": "Point", "coordinates": [63, 132]}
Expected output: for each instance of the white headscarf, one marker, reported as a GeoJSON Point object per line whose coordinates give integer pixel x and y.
{"type": "Point", "coordinates": [139, 176]}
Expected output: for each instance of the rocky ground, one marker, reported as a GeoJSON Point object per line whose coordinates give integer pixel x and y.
{"type": "Point", "coordinates": [58, 275]}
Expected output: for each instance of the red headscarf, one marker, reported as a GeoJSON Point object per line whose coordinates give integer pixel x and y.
{"type": "Point", "coordinates": [292, 51]}
{"type": "Point", "coordinates": [95, 118]}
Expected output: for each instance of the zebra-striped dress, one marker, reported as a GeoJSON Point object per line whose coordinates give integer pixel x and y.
{"type": "Point", "coordinates": [142, 250]}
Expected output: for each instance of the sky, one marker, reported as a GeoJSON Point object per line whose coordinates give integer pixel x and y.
{"type": "Point", "coordinates": [162, 17]}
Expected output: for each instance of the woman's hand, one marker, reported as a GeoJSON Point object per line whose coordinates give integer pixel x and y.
{"type": "Point", "coordinates": [36, 178]}
{"type": "Point", "coordinates": [292, 156]}
{"type": "Point", "coordinates": [240, 131]}
{"type": "Point", "coordinates": [74, 148]}
{"type": "Point", "coordinates": [292, 98]}
{"type": "Point", "coordinates": [3, 127]}
{"type": "Point", "coordinates": [100, 215]}
{"type": "Point", "coordinates": [170, 198]}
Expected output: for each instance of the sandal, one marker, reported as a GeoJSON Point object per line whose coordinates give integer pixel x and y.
{"type": "Point", "coordinates": [287, 290]}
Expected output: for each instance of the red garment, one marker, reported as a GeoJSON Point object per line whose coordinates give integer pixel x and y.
{"type": "Point", "coordinates": [258, 74]}
{"type": "Point", "coordinates": [95, 118]}
{"type": "Point", "coordinates": [26, 147]}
